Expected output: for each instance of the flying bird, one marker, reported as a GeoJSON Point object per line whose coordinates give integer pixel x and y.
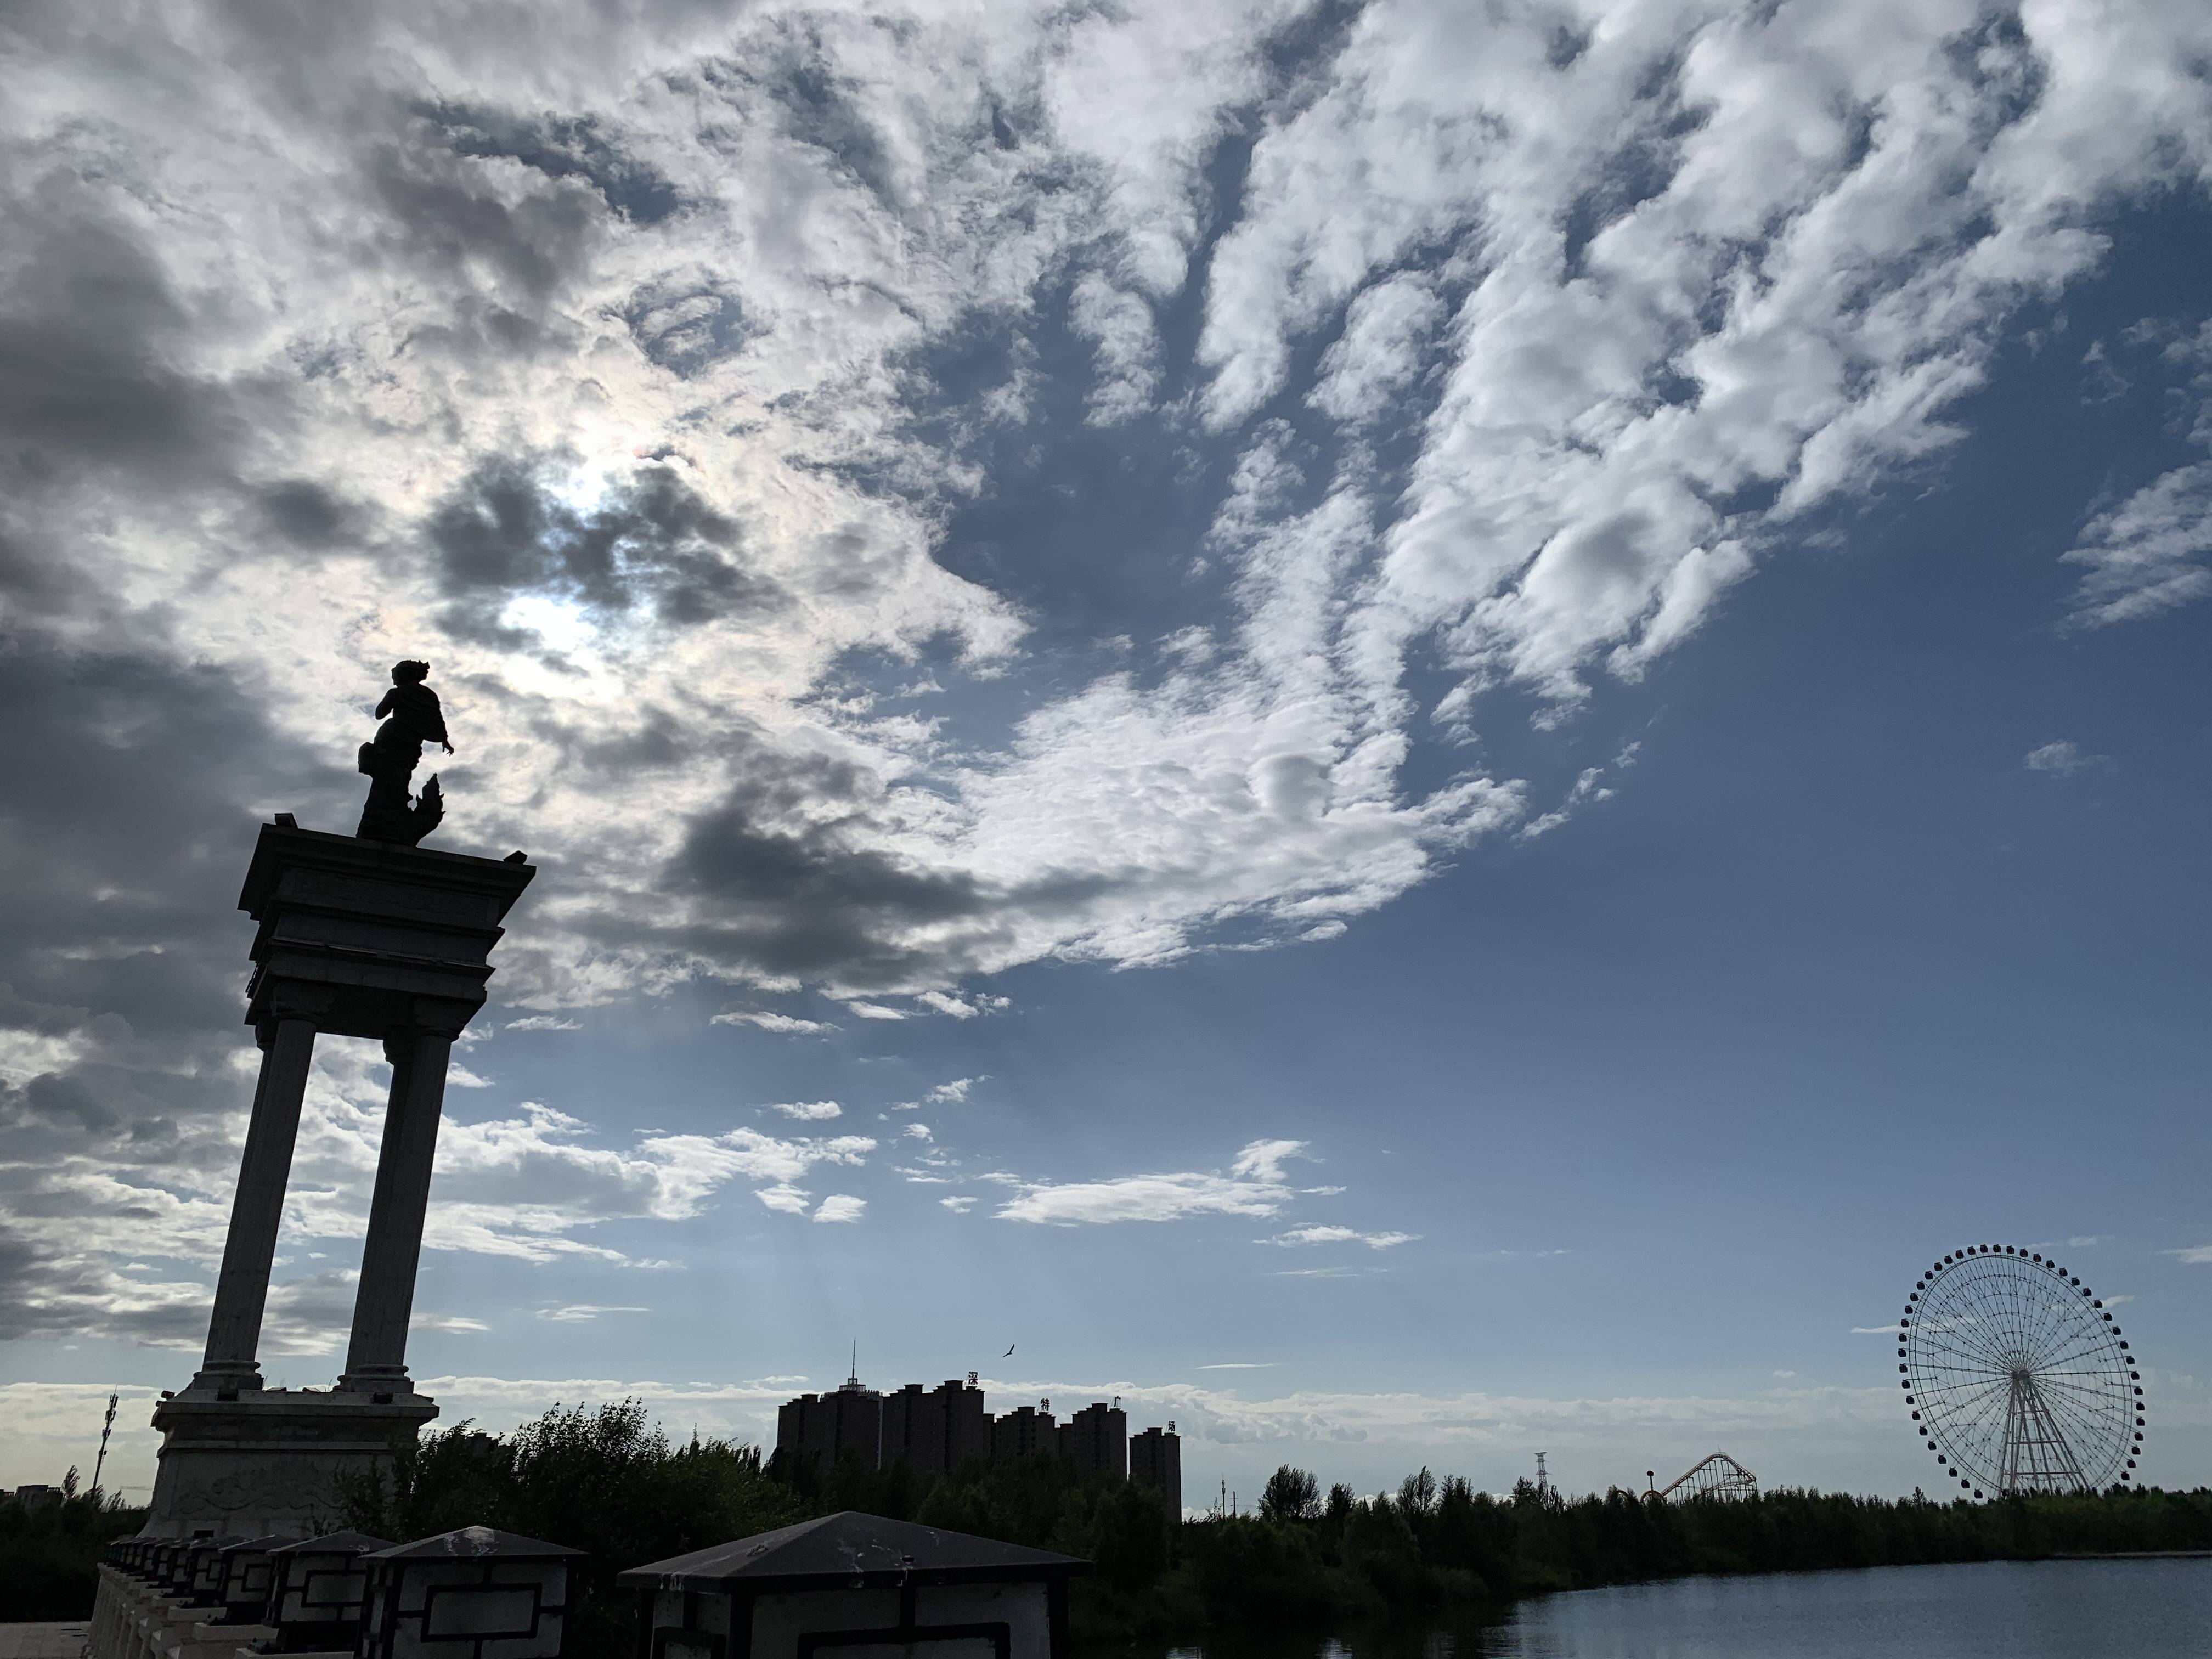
{"type": "Point", "coordinates": [1009, 1353]}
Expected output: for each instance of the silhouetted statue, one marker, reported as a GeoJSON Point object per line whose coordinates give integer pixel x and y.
{"type": "Point", "coordinates": [411, 718]}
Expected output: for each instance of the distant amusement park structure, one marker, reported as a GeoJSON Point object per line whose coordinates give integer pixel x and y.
{"type": "Point", "coordinates": [1717, 1475]}
{"type": "Point", "coordinates": [2017, 1376]}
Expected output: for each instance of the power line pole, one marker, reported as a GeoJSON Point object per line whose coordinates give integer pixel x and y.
{"type": "Point", "coordinates": [1543, 1481]}
{"type": "Point", "coordinates": [106, 1429]}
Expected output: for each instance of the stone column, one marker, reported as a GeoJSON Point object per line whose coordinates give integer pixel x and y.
{"type": "Point", "coordinates": [376, 1358]}
{"type": "Point", "coordinates": [288, 1042]}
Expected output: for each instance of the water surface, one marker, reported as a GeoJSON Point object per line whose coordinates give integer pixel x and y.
{"type": "Point", "coordinates": [2140, 1610]}
{"type": "Point", "coordinates": [1982, 1610]}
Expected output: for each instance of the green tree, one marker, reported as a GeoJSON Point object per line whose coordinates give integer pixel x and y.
{"type": "Point", "coordinates": [49, 1552]}
{"type": "Point", "coordinates": [1417, 1494]}
{"type": "Point", "coordinates": [1290, 1495]}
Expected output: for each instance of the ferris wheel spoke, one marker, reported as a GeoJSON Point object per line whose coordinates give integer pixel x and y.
{"type": "Point", "coordinates": [2053, 1310]}
{"type": "Point", "coordinates": [1975, 1426]}
{"type": "Point", "coordinates": [1953, 1336]}
{"type": "Point", "coordinates": [1984, 1333]}
{"type": "Point", "coordinates": [1965, 1356]}
{"type": "Point", "coordinates": [2100, 1416]}
{"type": "Point", "coordinates": [2001, 1293]}
{"type": "Point", "coordinates": [1964, 1401]}
{"type": "Point", "coordinates": [2081, 1381]}
{"type": "Point", "coordinates": [2082, 1337]}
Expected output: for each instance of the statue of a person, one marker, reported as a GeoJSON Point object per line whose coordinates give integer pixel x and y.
{"type": "Point", "coordinates": [411, 718]}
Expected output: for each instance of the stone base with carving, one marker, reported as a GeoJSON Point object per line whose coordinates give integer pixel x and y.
{"type": "Point", "coordinates": [272, 1460]}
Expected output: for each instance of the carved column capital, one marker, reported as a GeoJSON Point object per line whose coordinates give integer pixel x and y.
{"type": "Point", "coordinates": [437, 1016]}
{"type": "Point", "coordinates": [291, 998]}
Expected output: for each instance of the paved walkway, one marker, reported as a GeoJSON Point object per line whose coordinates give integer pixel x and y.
{"type": "Point", "coordinates": [43, 1641]}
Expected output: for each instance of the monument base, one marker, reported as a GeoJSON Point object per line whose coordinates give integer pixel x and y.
{"type": "Point", "coordinates": [272, 1460]}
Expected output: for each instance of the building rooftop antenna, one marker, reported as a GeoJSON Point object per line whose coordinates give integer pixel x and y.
{"type": "Point", "coordinates": [853, 1381]}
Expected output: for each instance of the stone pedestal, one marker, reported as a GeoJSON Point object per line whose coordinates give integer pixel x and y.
{"type": "Point", "coordinates": [274, 1461]}
{"type": "Point", "coordinates": [357, 939]}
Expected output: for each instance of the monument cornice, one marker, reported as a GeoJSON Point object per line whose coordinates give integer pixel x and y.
{"type": "Point", "coordinates": [371, 930]}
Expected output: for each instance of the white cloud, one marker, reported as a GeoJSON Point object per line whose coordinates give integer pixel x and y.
{"type": "Point", "coordinates": [1255, 1186]}
{"type": "Point", "coordinates": [787, 1024]}
{"type": "Point", "coordinates": [1587, 791]}
{"type": "Point", "coordinates": [1119, 323]}
{"type": "Point", "coordinates": [840, 1206]}
{"type": "Point", "coordinates": [955, 1093]}
{"type": "Point", "coordinates": [958, 1205]}
{"type": "Point", "coordinates": [577, 1313]}
{"type": "Point", "coordinates": [792, 1201]}
{"type": "Point", "coordinates": [530, 1186]}
{"type": "Point", "coordinates": [2064, 757]}
{"type": "Point", "coordinates": [2149, 554]}
{"type": "Point", "coordinates": [814, 1111]}
{"type": "Point", "coordinates": [2196, 1256]}
{"type": "Point", "coordinates": [1263, 1160]}
{"type": "Point", "coordinates": [1875, 1330]}
{"type": "Point", "coordinates": [545, 1023]}
{"type": "Point", "coordinates": [1241, 1366]}
{"type": "Point", "coordinates": [962, 1007]}
{"type": "Point", "coordinates": [1328, 1235]}
{"type": "Point", "coordinates": [873, 1011]}
{"type": "Point", "coordinates": [916, 1132]}
{"type": "Point", "coordinates": [1381, 351]}
{"type": "Point", "coordinates": [459, 1076]}
{"type": "Point", "coordinates": [446, 1324]}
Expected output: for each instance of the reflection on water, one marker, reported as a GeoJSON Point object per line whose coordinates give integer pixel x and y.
{"type": "Point", "coordinates": [2144, 1609]}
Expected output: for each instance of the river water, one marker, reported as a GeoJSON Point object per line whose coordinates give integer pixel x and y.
{"type": "Point", "coordinates": [2128, 1609]}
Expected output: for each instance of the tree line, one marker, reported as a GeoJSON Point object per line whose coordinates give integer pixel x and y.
{"type": "Point", "coordinates": [1308, 1558]}
{"type": "Point", "coordinates": [49, 1550]}
{"type": "Point", "coordinates": [606, 1481]}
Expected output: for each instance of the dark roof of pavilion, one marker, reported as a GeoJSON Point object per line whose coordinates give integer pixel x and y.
{"type": "Point", "coordinates": [333, 1543]}
{"type": "Point", "coordinates": [852, 1550]}
{"type": "Point", "coordinates": [471, 1541]}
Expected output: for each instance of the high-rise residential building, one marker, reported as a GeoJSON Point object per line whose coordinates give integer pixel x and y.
{"type": "Point", "coordinates": [828, 1428]}
{"type": "Point", "coordinates": [1025, 1431]}
{"type": "Point", "coordinates": [1097, 1440]}
{"type": "Point", "coordinates": [1156, 1460]}
{"type": "Point", "coordinates": [934, 1432]}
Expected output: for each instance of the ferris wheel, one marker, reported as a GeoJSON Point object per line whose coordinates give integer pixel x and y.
{"type": "Point", "coordinates": [2017, 1376]}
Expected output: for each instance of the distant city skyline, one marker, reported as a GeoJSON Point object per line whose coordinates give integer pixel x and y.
{"type": "Point", "coordinates": [942, 1431]}
{"type": "Point", "coordinates": [1412, 736]}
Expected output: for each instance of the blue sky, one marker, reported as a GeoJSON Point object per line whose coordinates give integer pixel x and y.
{"type": "Point", "coordinates": [1411, 741]}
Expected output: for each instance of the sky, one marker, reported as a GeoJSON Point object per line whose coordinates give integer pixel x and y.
{"type": "Point", "coordinates": [1417, 732]}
